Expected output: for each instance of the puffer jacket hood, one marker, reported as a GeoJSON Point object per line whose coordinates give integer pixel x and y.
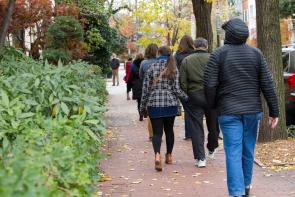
{"type": "Point", "coordinates": [236, 31]}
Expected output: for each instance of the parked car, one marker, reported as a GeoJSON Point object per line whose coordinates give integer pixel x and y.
{"type": "Point", "coordinates": [288, 55]}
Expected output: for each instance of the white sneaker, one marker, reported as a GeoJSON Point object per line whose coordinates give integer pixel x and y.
{"type": "Point", "coordinates": [201, 163]}
{"type": "Point", "coordinates": [211, 155]}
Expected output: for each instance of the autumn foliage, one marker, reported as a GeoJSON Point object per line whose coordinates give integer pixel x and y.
{"type": "Point", "coordinates": [27, 13]}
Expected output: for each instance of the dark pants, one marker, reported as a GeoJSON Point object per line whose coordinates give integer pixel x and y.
{"type": "Point", "coordinates": [187, 125]}
{"type": "Point", "coordinates": [138, 103]}
{"type": "Point", "coordinates": [160, 124]}
{"type": "Point", "coordinates": [197, 107]}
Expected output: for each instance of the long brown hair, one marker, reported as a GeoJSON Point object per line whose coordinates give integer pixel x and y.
{"type": "Point", "coordinates": [170, 71]}
{"type": "Point", "coordinates": [186, 44]}
{"type": "Point", "coordinates": [151, 51]}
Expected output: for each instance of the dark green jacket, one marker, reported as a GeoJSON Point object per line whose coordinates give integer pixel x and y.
{"type": "Point", "coordinates": [192, 71]}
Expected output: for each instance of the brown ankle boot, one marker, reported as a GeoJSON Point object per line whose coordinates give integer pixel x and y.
{"type": "Point", "coordinates": [158, 163]}
{"type": "Point", "coordinates": [168, 159]}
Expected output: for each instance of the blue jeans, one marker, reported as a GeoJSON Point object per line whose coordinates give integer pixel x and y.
{"type": "Point", "coordinates": [187, 125]}
{"type": "Point", "coordinates": [239, 137]}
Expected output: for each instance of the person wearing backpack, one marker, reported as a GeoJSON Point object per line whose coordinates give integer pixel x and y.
{"type": "Point", "coordinates": [115, 64]}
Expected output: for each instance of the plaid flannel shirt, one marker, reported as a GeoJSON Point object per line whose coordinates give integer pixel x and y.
{"type": "Point", "coordinates": [165, 92]}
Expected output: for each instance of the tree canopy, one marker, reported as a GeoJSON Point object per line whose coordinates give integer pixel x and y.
{"type": "Point", "coordinates": [287, 8]}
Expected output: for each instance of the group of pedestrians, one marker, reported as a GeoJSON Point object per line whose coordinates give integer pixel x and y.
{"type": "Point", "coordinates": [224, 86]}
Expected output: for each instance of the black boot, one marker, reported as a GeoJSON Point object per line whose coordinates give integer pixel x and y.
{"type": "Point", "coordinates": [141, 118]}
{"type": "Point", "coordinates": [247, 192]}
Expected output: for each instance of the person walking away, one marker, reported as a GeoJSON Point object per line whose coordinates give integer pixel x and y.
{"type": "Point", "coordinates": [127, 74]}
{"type": "Point", "coordinates": [185, 48]}
{"type": "Point", "coordinates": [134, 82]}
{"type": "Point", "coordinates": [115, 64]}
{"type": "Point", "coordinates": [160, 95]}
{"type": "Point", "coordinates": [150, 55]}
{"type": "Point", "coordinates": [191, 81]}
{"type": "Point", "coordinates": [234, 79]}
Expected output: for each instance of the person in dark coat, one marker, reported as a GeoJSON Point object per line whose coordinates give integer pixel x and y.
{"type": "Point", "coordinates": [234, 79]}
{"type": "Point", "coordinates": [185, 48]}
{"type": "Point", "coordinates": [115, 64]}
{"type": "Point", "coordinates": [126, 78]}
{"type": "Point", "coordinates": [135, 83]}
{"type": "Point", "coordinates": [150, 55]}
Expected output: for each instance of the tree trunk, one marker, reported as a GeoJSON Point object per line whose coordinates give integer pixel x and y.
{"type": "Point", "coordinates": [202, 12]}
{"type": "Point", "coordinates": [5, 23]}
{"type": "Point", "coordinates": [269, 41]}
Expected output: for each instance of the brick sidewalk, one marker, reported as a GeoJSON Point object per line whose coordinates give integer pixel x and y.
{"type": "Point", "coordinates": [131, 165]}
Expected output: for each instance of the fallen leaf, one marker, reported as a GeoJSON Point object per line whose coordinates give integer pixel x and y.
{"type": "Point", "coordinates": [155, 179]}
{"type": "Point", "coordinates": [196, 175]}
{"type": "Point", "coordinates": [175, 171]}
{"type": "Point", "coordinates": [276, 161]}
{"type": "Point", "coordinates": [104, 177]}
{"type": "Point", "coordinates": [267, 174]}
{"type": "Point", "coordinates": [109, 133]}
{"type": "Point", "coordinates": [136, 182]}
{"type": "Point", "coordinates": [132, 169]}
{"type": "Point", "coordinates": [167, 189]}
{"type": "Point", "coordinates": [207, 182]}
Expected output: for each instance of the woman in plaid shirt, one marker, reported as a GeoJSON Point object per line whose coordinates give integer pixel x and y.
{"type": "Point", "coordinates": [160, 94]}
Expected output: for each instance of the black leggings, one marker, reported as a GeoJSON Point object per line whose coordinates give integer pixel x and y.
{"type": "Point", "coordinates": [138, 103]}
{"type": "Point", "coordinates": [160, 124]}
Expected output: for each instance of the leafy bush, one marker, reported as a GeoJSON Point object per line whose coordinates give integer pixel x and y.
{"type": "Point", "coordinates": [51, 124]}
{"type": "Point", "coordinates": [55, 55]}
{"type": "Point", "coordinates": [102, 48]}
{"type": "Point", "coordinates": [64, 40]}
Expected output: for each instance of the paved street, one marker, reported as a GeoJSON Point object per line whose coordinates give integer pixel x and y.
{"type": "Point", "coordinates": [131, 165]}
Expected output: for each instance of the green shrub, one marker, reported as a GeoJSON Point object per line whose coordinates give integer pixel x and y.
{"type": "Point", "coordinates": [64, 38]}
{"type": "Point", "coordinates": [51, 126]}
{"type": "Point", "coordinates": [55, 55]}
{"type": "Point", "coordinates": [63, 29]}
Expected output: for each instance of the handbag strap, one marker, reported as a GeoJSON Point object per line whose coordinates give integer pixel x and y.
{"type": "Point", "coordinates": [155, 81]}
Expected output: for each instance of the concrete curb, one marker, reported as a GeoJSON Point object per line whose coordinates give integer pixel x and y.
{"type": "Point", "coordinates": [259, 163]}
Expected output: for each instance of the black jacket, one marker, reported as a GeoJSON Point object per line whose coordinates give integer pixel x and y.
{"type": "Point", "coordinates": [237, 74]}
{"type": "Point", "coordinates": [134, 81]}
{"type": "Point", "coordinates": [179, 56]}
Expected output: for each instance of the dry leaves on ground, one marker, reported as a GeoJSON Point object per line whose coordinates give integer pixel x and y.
{"type": "Point", "coordinates": [277, 155]}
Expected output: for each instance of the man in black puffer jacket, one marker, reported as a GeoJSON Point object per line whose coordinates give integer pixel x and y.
{"type": "Point", "coordinates": [234, 79]}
